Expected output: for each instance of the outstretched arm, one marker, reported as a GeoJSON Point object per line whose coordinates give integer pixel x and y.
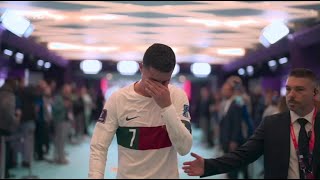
{"type": "Point", "coordinates": [195, 167]}
{"type": "Point", "coordinates": [245, 154]}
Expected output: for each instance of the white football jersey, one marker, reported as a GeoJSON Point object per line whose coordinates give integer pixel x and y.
{"type": "Point", "coordinates": [148, 137]}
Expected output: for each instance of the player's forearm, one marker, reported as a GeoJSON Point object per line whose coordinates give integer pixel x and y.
{"type": "Point", "coordinates": [179, 135]}
{"type": "Point", "coordinates": [97, 162]}
{"type": "Point", "coordinates": [96, 168]}
{"type": "Point", "coordinates": [100, 142]}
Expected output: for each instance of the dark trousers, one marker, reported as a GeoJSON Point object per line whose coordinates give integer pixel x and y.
{"type": "Point", "coordinates": [210, 135]}
{"type": "Point", "coordinates": [207, 129]}
{"type": "Point", "coordinates": [234, 174]}
{"type": "Point", "coordinates": [40, 137]}
{"type": "Point", "coordinates": [8, 155]}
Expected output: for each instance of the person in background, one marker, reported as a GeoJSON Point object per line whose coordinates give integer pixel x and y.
{"type": "Point", "coordinates": [215, 108]}
{"type": "Point", "coordinates": [8, 120]}
{"type": "Point", "coordinates": [231, 132]}
{"type": "Point", "coordinates": [61, 115]}
{"type": "Point", "coordinates": [202, 113]}
{"type": "Point", "coordinates": [272, 101]}
{"type": "Point", "coordinates": [47, 110]}
{"type": "Point", "coordinates": [258, 106]}
{"type": "Point", "coordinates": [79, 112]}
{"type": "Point", "coordinates": [88, 106]}
{"type": "Point", "coordinates": [26, 97]}
{"type": "Point", "coordinates": [42, 128]}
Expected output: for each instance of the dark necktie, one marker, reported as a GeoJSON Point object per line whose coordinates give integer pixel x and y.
{"type": "Point", "coordinates": [303, 142]}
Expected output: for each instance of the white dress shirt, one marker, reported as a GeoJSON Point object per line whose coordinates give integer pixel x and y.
{"type": "Point", "coordinates": [293, 171]}
{"type": "Point", "coordinates": [227, 105]}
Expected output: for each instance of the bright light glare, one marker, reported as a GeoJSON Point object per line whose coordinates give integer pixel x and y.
{"type": "Point", "coordinates": [250, 70]}
{"type": "Point", "coordinates": [28, 31]}
{"type": "Point", "coordinates": [206, 22]}
{"type": "Point", "coordinates": [47, 65]}
{"type": "Point", "coordinates": [40, 62]}
{"type": "Point", "coordinates": [8, 52]}
{"type": "Point", "coordinates": [127, 67]}
{"type": "Point", "coordinates": [240, 23]}
{"type": "Point", "coordinates": [241, 71]}
{"type": "Point", "coordinates": [74, 47]}
{"type": "Point", "coordinates": [263, 41]}
{"type": "Point", "coordinates": [213, 22]}
{"type": "Point", "coordinates": [39, 15]}
{"type": "Point", "coordinates": [100, 17]}
{"type": "Point", "coordinates": [272, 63]}
{"type": "Point", "coordinates": [15, 23]}
{"type": "Point", "coordinates": [201, 69]}
{"type": "Point", "coordinates": [231, 51]}
{"type": "Point", "coordinates": [1, 82]}
{"type": "Point", "coordinates": [275, 31]}
{"type": "Point", "coordinates": [19, 58]}
{"type": "Point", "coordinates": [283, 91]}
{"type": "Point", "coordinates": [283, 60]}
{"type": "Point", "coordinates": [91, 66]}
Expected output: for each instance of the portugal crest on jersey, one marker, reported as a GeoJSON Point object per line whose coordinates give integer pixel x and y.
{"type": "Point", "coordinates": [186, 111]}
{"type": "Point", "coordinates": [103, 116]}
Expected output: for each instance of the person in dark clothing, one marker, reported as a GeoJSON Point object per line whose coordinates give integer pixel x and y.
{"type": "Point", "coordinates": [26, 104]}
{"type": "Point", "coordinates": [47, 110]}
{"type": "Point", "coordinates": [231, 133]}
{"type": "Point", "coordinates": [8, 120]}
{"type": "Point", "coordinates": [202, 113]}
{"type": "Point", "coordinates": [40, 128]}
{"type": "Point", "coordinates": [258, 106]}
{"type": "Point", "coordinates": [100, 100]}
{"type": "Point", "coordinates": [78, 109]}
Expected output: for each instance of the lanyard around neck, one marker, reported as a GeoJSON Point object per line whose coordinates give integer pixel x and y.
{"type": "Point", "coordinates": [312, 138]}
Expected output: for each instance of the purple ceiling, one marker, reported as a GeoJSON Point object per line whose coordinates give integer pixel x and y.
{"type": "Point", "coordinates": [304, 38]}
{"type": "Point", "coordinates": [30, 46]}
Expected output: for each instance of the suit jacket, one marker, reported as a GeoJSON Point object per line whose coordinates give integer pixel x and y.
{"type": "Point", "coordinates": [271, 138]}
{"type": "Point", "coordinates": [230, 126]}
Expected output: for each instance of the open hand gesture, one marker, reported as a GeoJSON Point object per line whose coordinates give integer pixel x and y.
{"type": "Point", "coordinates": [195, 167]}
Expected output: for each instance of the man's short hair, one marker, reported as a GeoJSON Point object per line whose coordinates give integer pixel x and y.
{"type": "Point", "coordinates": [160, 57]}
{"type": "Point", "coordinates": [304, 73]}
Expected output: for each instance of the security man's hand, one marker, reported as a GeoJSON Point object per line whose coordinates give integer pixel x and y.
{"type": "Point", "coordinates": [195, 167]}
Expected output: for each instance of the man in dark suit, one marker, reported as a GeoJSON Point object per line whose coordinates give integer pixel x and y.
{"type": "Point", "coordinates": [231, 135]}
{"type": "Point", "coordinates": [279, 137]}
